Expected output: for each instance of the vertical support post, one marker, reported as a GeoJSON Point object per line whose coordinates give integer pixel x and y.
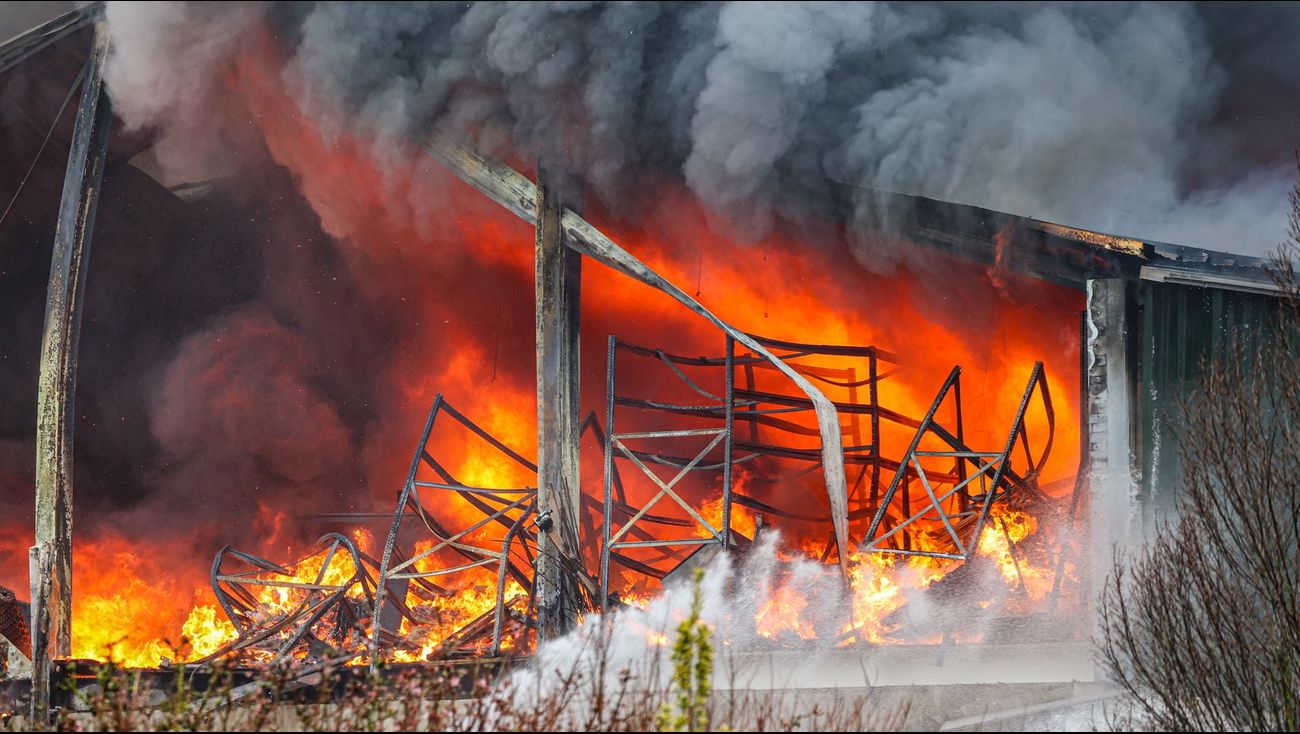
{"type": "Point", "coordinates": [727, 442]}
{"type": "Point", "coordinates": [855, 422]}
{"type": "Point", "coordinates": [606, 522]}
{"type": "Point", "coordinates": [963, 497]}
{"type": "Point", "coordinates": [559, 278]}
{"type": "Point", "coordinates": [874, 394]}
{"type": "Point", "coordinates": [855, 429]}
{"type": "Point", "coordinates": [1115, 503]}
{"type": "Point", "coordinates": [907, 506]}
{"type": "Point", "coordinates": [751, 385]}
{"type": "Point", "coordinates": [51, 558]}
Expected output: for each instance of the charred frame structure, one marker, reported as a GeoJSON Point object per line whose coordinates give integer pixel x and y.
{"type": "Point", "coordinates": [954, 502]}
{"type": "Point", "coordinates": [377, 607]}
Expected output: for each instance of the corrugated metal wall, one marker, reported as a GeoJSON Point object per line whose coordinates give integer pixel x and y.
{"type": "Point", "coordinates": [1181, 327]}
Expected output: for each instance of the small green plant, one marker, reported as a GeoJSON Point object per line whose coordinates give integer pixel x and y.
{"type": "Point", "coordinates": [692, 671]}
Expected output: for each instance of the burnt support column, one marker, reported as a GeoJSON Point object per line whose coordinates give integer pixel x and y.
{"type": "Point", "coordinates": [559, 279]}
{"type": "Point", "coordinates": [51, 557]}
{"type": "Point", "coordinates": [1114, 515]}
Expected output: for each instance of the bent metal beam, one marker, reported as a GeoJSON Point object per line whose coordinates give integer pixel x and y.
{"type": "Point", "coordinates": [515, 192]}
{"type": "Point", "coordinates": [51, 557]}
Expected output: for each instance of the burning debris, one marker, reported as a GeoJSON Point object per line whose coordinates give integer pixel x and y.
{"type": "Point", "coordinates": [954, 549]}
{"type": "Point", "coordinates": [340, 157]}
{"type": "Point", "coordinates": [276, 609]}
{"type": "Point", "coordinates": [801, 439]}
{"type": "Point", "coordinates": [809, 434]}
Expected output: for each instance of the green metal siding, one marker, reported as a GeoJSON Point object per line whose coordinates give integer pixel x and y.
{"type": "Point", "coordinates": [1181, 328]}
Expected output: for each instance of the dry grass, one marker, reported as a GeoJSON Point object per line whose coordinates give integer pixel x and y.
{"type": "Point", "coordinates": [590, 697]}
{"type": "Point", "coordinates": [590, 692]}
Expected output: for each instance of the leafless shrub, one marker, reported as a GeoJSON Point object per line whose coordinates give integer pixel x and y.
{"type": "Point", "coordinates": [1201, 629]}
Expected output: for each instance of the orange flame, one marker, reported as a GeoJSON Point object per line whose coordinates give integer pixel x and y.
{"type": "Point", "coordinates": [127, 604]}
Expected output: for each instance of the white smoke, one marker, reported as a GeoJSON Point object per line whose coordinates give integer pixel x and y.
{"type": "Point", "coordinates": [635, 644]}
{"type": "Point", "coordinates": [1117, 117]}
{"type": "Point", "coordinates": [166, 70]}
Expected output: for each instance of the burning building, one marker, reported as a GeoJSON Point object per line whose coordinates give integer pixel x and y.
{"type": "Point", "coordinates": [943, 406]}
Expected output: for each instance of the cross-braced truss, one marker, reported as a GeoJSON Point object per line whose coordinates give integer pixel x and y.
{"type": "Point", "coordinates": [957, 500]}
{"type": "Point", "coordinates": [952, 485]}
{"type": "Point", "coordinates": [740, 416]}
{"type": "Point", "coordinates": [507, 508]}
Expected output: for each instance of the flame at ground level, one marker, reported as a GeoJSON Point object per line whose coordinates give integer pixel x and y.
{"type": "Point", "coordinates": [117, 623]}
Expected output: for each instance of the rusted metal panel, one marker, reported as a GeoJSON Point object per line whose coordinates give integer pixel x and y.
{"type": "Point", "coordinates": [1122, 245]}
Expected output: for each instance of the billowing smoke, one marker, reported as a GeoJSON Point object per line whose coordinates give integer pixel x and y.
{"type": "Point", "coordinates": [248, 364]}
{"type": "Point", "coordinates": [1139, 119]}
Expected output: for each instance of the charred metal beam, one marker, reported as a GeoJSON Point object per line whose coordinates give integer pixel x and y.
{"type": "Point", "coordinates": [515, 192]}
{"type": "Point", "coordinates": [991, 469]}
{"type": "Point", "coordinates": [18, 49]}
{"type": "Point", "coordinates": [396, 569]}
{"type": "Point", "coordinates": [51, 557]}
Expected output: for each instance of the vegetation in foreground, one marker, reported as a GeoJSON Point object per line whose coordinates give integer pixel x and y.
{"type": "Point", "coordinates": [1201, 629]}
{"type": "Point", "coordinates": [588, 697]}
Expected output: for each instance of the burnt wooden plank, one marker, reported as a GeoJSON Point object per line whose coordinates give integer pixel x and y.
{"type": "Point", "coordinates": [558, 283]}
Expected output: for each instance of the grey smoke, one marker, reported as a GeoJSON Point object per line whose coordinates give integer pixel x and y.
{"type": "Point", "coordinates": [166, 65]}
{"type": "Point", "coordinates": [1118, 117]}
{"type": "Point", "coordinates": [246, 364]}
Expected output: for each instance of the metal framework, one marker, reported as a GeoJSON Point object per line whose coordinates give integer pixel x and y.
{"type": "Point", "coordinates": [325, 618]}
{"type": "Point", "coordinates": [961, 512]}
{"type": "Point", "coordinates": [722, 448]}
{"type": "Point", "coordinates": [517, 194]}
{"type": "Point", "coordinates": [948, 516]}
{"type": "Point", "coordinates": [337, 617]}
{"type": "Point", "coordinates": [612, 540]}
{"type": "Point", "coordinates": [507, 507]}
{"type": "Point", "coordinates": [956, 500]}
